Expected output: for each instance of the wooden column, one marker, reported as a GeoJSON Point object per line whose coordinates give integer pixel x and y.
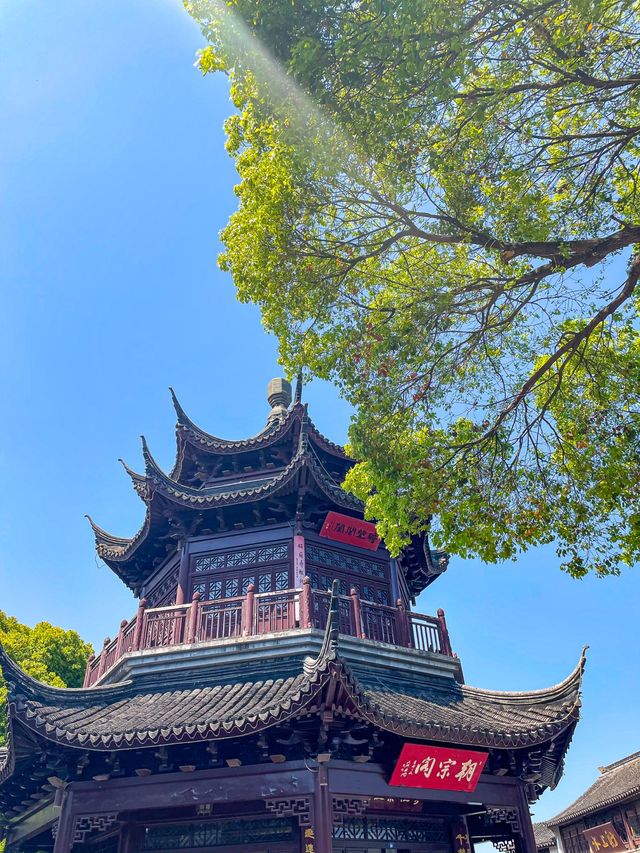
{"type": "Point", "coordinates": [357, 616]}
{"type": "Point", "coordinates": [305, 604]}
{"type": "Point", "coordinates": [446, 644]}
{"type": "Point", "coordinates": [87, 672]}
{"type": "Point", "coordinates": [460, 839]}
{"type": "Point", "coordinates": [192, 618]}
{"type": "Point", "coordinates": [64, 829]}
{"type": "Point", "coordinates": [103, 658]}
{"type": "Point", "coordinates": [137, 631]}
{"type": "Point", "coordinates": [322, 812]}
{"type": "Point", "coordinates": [404, 632]}
{"type": "Point", "coordinates": [131, 837]}
{"type": "Point", "coordinates": [249, 610]}
{"type": "Point", "coordinates": [120, 639]}
{"type": "Point", "coordinates": [182, 592]}
{"type": "Point", "coordinates": [527, 839]}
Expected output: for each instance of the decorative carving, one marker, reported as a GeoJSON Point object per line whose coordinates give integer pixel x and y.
{"type": "Point", "coordinates": [248, 557]}
{"type": "Point", "coordinates": [54, 828]}
{"type": "Point", "coordinates": [221, 833]}
{"type": "Point", "coordinates": [345, 561]}
{"type": "Point", "coordinates": [86, 824]}
{"type": "Point", "coordinates": [507, 845]}
{"type": "Point", "coordinates": [349, 807]}
{"type": "Point", "coordinates": [499, 814]}
{"type": "Point", "coordinates": [299, 807]}
{"type": "Point", "coordinates": [165, 592]}
{"type": "Point", "coordinates": [406, 830]}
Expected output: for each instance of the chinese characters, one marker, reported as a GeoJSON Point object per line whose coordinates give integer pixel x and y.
{"type": "Point", "coordinates": [438, 767]}
{"type": "Point", "coordinates": [343, 528]}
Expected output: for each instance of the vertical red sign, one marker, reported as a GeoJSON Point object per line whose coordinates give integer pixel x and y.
{"type": "Point", "coordinates": [299, 561]}
{"type": "Point", "coordinates": [438, 767]}
{"type": "Point", "coordinates": [343, 528]}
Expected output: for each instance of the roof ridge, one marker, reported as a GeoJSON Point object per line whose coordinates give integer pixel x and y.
{"type": "Point", "coordinates": [620, 762]}
{"type": "Point", "coordinates": [575, 677]}
{"type": "Point", "coordinates": [15, 676]}
{"type": "Point", "coordinates": [208, 438]}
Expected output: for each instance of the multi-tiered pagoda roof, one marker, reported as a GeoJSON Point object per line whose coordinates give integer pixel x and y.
{"type": "Point", "coordinates": [274, 666]}
{"type": "Point", "coordinates": [217, 485]}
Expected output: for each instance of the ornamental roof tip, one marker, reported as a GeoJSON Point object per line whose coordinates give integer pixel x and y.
{"type": "Point", "coordinates": [139, 481]}
{"type": "Point", "coordinates": [102, 537]}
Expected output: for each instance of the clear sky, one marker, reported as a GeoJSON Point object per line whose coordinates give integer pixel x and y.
{"type": "Point", "coordinates": [114, 185]}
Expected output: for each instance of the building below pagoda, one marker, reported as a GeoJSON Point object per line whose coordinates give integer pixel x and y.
{"type": "Point", "coordinates": [274, 691]}
{"type": "Point", "coordinates": [606, 817]}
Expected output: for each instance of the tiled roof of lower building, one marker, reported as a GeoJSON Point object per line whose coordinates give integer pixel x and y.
{"type": "Point", "coordinates": [544, 836]}
{"type": "Point", "coordinates": [616, 782]}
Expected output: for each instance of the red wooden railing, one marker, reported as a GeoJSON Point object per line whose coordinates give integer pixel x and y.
{"type": "Point", "coordinates": [266, 613]}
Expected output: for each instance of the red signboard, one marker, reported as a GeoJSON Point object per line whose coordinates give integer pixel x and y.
{"type": "Point", "coordinates": [603, 838]}
{"type": "Point", "coordinates": [343, 528]}
{"type": "Point", "coordinates": [439, 767]}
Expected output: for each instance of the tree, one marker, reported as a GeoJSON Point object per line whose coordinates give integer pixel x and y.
{"type": "Point", "coordinates": [439, 211]}
{"type": "Point", "coordinates": [45, 652]}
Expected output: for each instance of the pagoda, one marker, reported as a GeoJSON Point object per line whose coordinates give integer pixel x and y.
{"type": "Point", "coordinates": [275, 691]}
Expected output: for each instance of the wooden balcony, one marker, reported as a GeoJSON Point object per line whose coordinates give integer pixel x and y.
{"type": "Point", "coordinates": [268, 613]}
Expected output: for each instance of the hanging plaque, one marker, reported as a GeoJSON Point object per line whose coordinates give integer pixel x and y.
{"type": "Point", "coordinates": [603, 838]}
{"type": "Point", "coordinates": [343, 528]}
{"type": "Point", "coordinates": [438, 767]}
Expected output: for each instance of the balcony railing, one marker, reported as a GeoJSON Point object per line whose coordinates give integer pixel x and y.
{"type": "Point", "coordinates": [267, 613]}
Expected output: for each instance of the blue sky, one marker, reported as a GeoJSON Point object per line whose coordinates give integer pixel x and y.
{"type": "Point", "coordinates": [114, 185]}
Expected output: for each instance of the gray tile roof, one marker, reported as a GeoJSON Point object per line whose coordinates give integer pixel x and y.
{"type": "Point", "coordinates": [616, 782]}
{"type": "Point", "coordinates": [224, 702]}
{"type": "Point", "coordinates": [193, 707]}
{"type": "Point", "coordinates": [445, 710]}
{"type": "Point", "coordinates": [544, 836]}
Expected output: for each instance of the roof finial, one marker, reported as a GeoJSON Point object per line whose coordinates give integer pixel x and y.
{"type": "Point", "coordinates": [298, 394]}
{"type": "Point", "coordinates": [279, 397]}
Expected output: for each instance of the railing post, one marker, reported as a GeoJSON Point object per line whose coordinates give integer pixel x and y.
{"type": "Point", "coordinates": [192, 618]}
{"type": "Point", "coordinates": [404, 632]}
{"type": "Point", "coordinates": [249, 611]}
{"type": "Point", "coordinates": [444, 633]}
{"type": "Point", "coordinates": [357, 619]}
{"type": "Point", "coordinates": [103, 657]}
{"type": "Point", "coordinates": [87, 672]}
{"type": "Point", "coordinates": [137, 631]}
{"type": "Point", "coordinates": [305, 603]}
{"type": "Point", "coordinates": [120, 640]}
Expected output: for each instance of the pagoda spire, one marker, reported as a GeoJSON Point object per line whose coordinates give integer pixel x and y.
{"type": "Point", "coordinates": [279, 397]}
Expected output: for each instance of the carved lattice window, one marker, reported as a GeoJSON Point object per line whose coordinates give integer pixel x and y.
{"type": "Point", "coordinates": [164, 593]}
{"type": "Point", "coordinates": [229, 574]}
{"type": "Point", "coordinates": [370, 578]}
{"type": "Point", "coordinates": [391, 829]}
{"type": "Point", "coordinates": [219, 833]}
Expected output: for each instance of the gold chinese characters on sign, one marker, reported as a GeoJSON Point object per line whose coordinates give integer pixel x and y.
{"type": "Point", "coordinates": [309, 840]}
{"type": "Point", "coordinates": [603, 839]}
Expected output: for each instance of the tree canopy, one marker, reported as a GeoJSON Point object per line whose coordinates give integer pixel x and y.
{"type": "Point", "coordinates": [45, 652]}
{"type": "Point", "coordinates": [439, 211]}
